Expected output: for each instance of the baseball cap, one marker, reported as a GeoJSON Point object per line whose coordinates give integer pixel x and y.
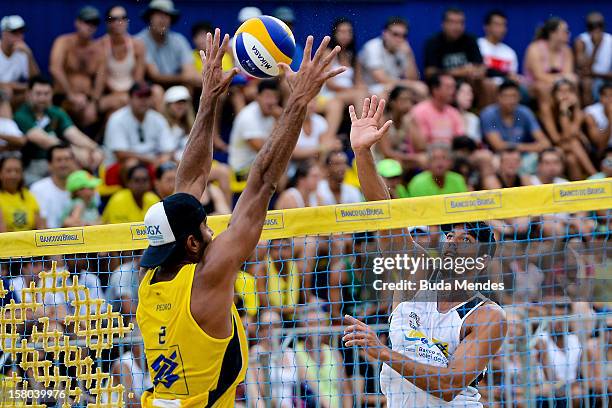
{"type": "Point", "coordinates": [81, 179]}
{"type": "Point", "coordinates": [12, 23]}
{"type": "Point", "coordinates": [248, 12]}
{"type": "Point", "coordinates": [167, 222]}
{"type": "Point", "coordinates": [285, 14]}
{"type": "Point", "coordinates": [177, 93]}
{"type": "Point", "coordinates": [389, 168]}
{"type": "Point", "coordinates": [89, 14]}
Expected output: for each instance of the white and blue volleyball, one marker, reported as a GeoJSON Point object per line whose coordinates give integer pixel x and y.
{"type": "Point", "coordinates": [260, 43]}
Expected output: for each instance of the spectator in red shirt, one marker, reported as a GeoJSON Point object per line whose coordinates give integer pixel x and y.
{"type": "Point", "coordinates": [437, 119]}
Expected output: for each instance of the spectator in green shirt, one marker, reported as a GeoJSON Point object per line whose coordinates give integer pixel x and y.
{"type": "Point", "coordinates": [46, 125]}
{"type": "Point", "coordinates": [438, 179]}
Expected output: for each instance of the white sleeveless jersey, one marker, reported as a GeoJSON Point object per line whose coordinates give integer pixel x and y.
{"type": "Point", "coordinates": [423, 334]}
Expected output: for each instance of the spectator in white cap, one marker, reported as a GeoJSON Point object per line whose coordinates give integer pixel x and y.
{"type": "Point", "coordinates": [169, 58]}
{"type": "Point", "coordinates": [17, 63]}
{"type": "Point", "coordinates": [180, 116]}
{"type": "Point", "coordinates": [178, 111]}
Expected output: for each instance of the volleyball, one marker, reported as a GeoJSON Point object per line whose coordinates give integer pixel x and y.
{"type": "Point", "coordinates": [260, 43]}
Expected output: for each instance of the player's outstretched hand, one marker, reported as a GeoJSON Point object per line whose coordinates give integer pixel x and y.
{"type": "Point", "coordinates": [314, 71]}
{"type": "Point", "coordinates": [214, 81]}
{"type": "Point", "coordinates": [360, 334]}
{"type": "Point", "coordinates": [366, 130]}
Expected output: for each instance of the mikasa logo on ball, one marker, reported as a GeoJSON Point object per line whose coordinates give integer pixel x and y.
{"type": "Point", "coordinates": [261, 58]}
{"type": "Point", "coordinates": [259, 55]}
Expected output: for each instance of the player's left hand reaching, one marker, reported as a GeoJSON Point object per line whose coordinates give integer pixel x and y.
{"type": "Point", "coordinates": [314, 71]}
{"type": "Point", "coordinates": [360, 334]}
{"type": "Point", "coordinates": [214, 81]}
{"type": "Point", "coordinates": [366, 130]}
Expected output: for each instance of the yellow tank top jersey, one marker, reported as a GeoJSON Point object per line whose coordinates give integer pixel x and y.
{"type": "Point", "coordinates": [185, 363]}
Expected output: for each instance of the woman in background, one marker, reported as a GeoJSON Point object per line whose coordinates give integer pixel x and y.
{"type": "Point", "coordinates": [180, 116]}
{"type": "Point", "coordinates": [124, 62]}
{"type": "Point", "coordinates": [563, 120]}
{"type": "Point", "coordinates": [19, 207]}
{"type": "Point", "coordinates": [464, 100]}
{"type": "Point", "coordinates": [549, 58]}
{"type": "Point", "coordinates": [347, 88]}
{"type": "Point", "coordinates": [404, 141]}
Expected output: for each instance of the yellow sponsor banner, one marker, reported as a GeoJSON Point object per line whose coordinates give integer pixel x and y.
{"type": "Point", "coordinates": [473, 202]}
{"type": "Point", "coordinates": [274, 220]}
{"type": "Point", "coordinates": [486, 205]}
{"type": "Point", "coordinates": [594, 190]}
{"type": "Point", "coordinates": [63, 237]}
{"type": "Point", "coordinates": [139, 232]}
{"type": "Point", "coordinates": [363, 212]}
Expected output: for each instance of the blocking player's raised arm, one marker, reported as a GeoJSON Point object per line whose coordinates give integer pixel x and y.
{"type": "Point", "coordinates": [234, 245]}
{"type": "Point", "coordinates": [366, 131]}
{"type": "Point", "coordinates": [194, 168]}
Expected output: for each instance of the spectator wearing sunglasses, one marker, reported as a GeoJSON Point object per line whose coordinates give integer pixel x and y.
{"type": "Point", "coordinates": [76, 66]}
{"type": "Point", "coordinates": [138, 132]}
{"type": "Point", "coordinates": [593, 56]}
{"type": "Point", "coordinates": [388, 61]}
{"type": "Point", "coordinates": [125, 60]}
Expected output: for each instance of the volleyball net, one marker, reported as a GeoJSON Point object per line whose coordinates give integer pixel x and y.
{"type": "Point", "coordinates": [69, 336]}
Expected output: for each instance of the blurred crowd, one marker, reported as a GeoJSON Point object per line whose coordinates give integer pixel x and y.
{"type": "Point", "coordinates": [99, 142]}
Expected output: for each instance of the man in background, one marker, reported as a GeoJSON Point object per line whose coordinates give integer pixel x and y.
{"type": "Point", "coordinates": [452, 50]}
{"type": "Point", "coordinates": [593, 56]}
{"type": "Point", "coordinates": [437, 119]}
{"type": "Point", "coordinates": [509, 124]}
{"type": "Point", "coordinates": [137, 131]}
{"type": "Point", "coordinates": [501, 60]}
{"type": "Point", "coordinates": [388, 60]}
{"type": "Point", "coordinates": [439, 179]}
{"type": "Point", "coordinates": [77, 66]}
{"type": "Point", "coordinates": [17, 64]}
{"type": "Point", "coordinates": [169, 58]}
{"type": "Point", "coordinates": [50, 192]}
{"type": "Point", "coordinates": [252, 126]}
{"type": "Point", "coordinates": [46, 125]}
{"type": "Point", "coordinates": [456, 53]}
